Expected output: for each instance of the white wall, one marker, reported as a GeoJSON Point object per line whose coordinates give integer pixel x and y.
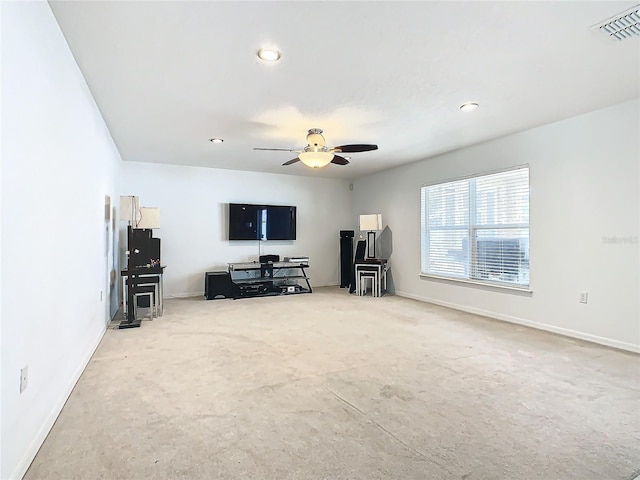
{"type": "Point", "coordinates": [584, 182]}
{"type": "Point", "coordinates": [58, 163]}
{"type": "Point", "coordinates": [193, 218]}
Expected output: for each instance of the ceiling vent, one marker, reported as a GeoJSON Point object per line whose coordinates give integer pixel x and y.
{"type": "Point", "coordinates": [623, 25]}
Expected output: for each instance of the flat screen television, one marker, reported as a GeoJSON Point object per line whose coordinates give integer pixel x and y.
{"type": "Point", "coordinates": [261, 222]}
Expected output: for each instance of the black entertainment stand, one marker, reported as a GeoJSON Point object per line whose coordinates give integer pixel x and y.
{"type": "Point", "coordinates": [255, 279]}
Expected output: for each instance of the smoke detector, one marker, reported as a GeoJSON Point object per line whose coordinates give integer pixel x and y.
{"type": "Point", "coordinates": [622, 26]}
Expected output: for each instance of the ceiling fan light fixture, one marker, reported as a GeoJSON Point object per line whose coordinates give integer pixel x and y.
{"type": "Point", "coordinates": [316, 159]}
{"type": "Point", "coordinates": [468, 107]}
{"type": "Point", "coordinates": [268, 54]}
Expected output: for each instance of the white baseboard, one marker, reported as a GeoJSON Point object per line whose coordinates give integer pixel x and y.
{"type": "Point", "coordinates": [184, 295]}
{"type": "Point", "coordinates": [30, 453]}
{"type": "Point", "coordinates": [630, 347]}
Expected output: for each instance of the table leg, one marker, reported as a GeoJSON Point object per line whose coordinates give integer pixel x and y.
{"type": "Point", "coordinates": [161, 295]}
{"type": "Point", "coordinates": [124, 296]}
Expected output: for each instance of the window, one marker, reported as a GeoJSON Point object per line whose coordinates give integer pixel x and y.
{"type": "Point", "coordinates": [477, 229]}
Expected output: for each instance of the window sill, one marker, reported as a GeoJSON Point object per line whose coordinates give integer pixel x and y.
{"type": "Point", "coordinates": [477, 283]}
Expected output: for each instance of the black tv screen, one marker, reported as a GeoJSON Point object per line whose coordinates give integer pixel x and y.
{"type": "Point", "coordinates": [261, 222]}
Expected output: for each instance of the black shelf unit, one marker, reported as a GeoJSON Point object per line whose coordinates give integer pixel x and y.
{"type": "Point", "coordinates": [255, 279]}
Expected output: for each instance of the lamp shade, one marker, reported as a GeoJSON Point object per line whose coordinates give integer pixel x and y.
{"type": "Point", "coordinates": [316, 159]}
{"type": "Point", "coordinates": [371, 222]}
{"type": "Point", "coordinates": [129, 209]}
{"type": "Point", "coordinates": [149, 217]}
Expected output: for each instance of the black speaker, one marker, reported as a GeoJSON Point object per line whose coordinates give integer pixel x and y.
{"type": "Point", "coordinates": [269, 258]}
{"type": "Point", "coordinates": [218, 285]}
{"type": "Point", "coordinates": [346, 250]}
{"type": "Point", "coordinates": [266, 270]}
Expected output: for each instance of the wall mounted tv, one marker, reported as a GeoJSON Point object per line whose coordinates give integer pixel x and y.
{"type": "Point", "coordinates": [261, 222]}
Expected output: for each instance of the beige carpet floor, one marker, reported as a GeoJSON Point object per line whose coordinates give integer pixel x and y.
{"type": "Point", "coordinates": [333, 386]}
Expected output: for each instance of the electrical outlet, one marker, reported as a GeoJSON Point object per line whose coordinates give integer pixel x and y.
{"type": "Point", "coordinates": [24, 378]}
{"type": "Point", "coordinates": [583, 296]}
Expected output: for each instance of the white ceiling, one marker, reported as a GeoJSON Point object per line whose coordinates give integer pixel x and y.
{"type": "Point", "coordinates": [168, 76]}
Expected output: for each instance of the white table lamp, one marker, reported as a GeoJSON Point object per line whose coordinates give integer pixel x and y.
{"type": "Point", "coordinates": [371, 223]}
{"type": "Point", "coordinates": [129, 209]}
{"type": "Point", "coordinates": [149, 217]}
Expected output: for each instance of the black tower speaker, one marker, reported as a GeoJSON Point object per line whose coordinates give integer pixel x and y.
{"type": "Point", "coordinates": [346, 250]}
{"type": "Point", "coordinates": [218, 285]}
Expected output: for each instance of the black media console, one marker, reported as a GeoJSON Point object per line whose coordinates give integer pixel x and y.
{"type": "Point", "coordinates": [254, 279]}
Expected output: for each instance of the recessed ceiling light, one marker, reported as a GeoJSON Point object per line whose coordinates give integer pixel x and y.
{"type": "Point", "coordinates": [268, 54]}
{"type": "Point", "coordinates": [468, 107]}
{"type": "Point", "coordinates": [216, 140]}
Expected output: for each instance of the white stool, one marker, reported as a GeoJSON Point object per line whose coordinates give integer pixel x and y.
{"type": "Point", "coordinates": [144, 290]}
{"type": "Point", "coordinates": [145, 280]}
{"type": "Point", "coordinates": [363, 276]}
{"type": "Point", "coordinates": [152, 304]}
{"type": "Point", "coordinates": [377, 272]}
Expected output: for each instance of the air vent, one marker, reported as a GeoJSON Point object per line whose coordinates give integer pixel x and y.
{"type": "Point", "coordinates": [622, 26]}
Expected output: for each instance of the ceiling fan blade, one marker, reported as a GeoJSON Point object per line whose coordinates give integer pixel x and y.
{"type": "Point", "coordinates": [292, 161]}
{"type": "Point", "coordinates": [276, 149]}
{"type": "Point", "coordinates": [338, 160]}
{"type": "Point", "coordinates": [358, 147]}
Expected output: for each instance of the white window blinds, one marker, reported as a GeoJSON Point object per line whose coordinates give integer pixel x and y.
{"type": "Point", "coordinates": [478, 228]}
